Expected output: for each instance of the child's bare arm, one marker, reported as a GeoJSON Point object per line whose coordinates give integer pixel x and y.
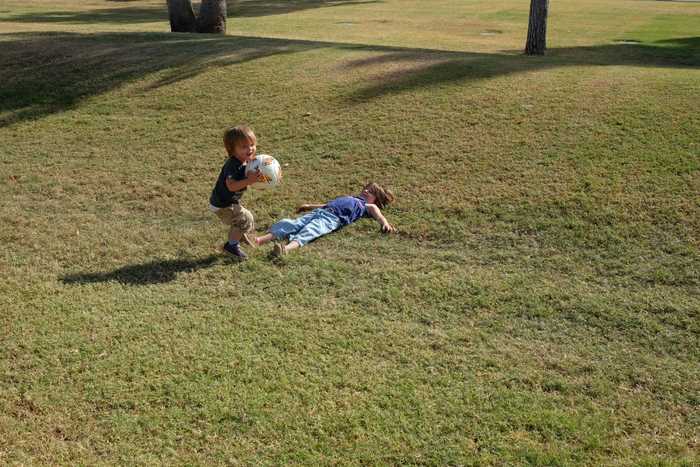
{"type": "Point", "coordinates": [309, 207]}
{"type": "Point", "coordinates": [238, 185]}
{"type": "Point", "coordinates": [374, 211]}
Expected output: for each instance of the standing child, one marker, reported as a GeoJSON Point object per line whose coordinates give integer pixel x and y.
{"type": "Point", "coordinates": [328, 217]}
{"type": "Point", "coordinates": [225, 198]}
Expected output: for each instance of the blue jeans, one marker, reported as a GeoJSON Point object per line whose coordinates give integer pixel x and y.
{"type": "Point", "coordinates": [306, 228]}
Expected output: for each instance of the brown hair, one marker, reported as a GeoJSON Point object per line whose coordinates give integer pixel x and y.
{"type": "Point", "coordinates": [236, 134]}
{"type": "Point", "coordinates": [383, 195]}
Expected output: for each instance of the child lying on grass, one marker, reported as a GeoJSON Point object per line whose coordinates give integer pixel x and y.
{"type": "Point", "coordinates": [325, 218]}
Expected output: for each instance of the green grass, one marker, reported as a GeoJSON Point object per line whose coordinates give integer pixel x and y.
{"type": "Point", "coordinates": [540, 304]}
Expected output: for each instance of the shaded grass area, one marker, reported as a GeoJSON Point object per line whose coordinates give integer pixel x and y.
{"type": "Point", "coordinates": [155, 13]}
{"type": "Point", "coordinates": [538, 306]}
{"type": "Point", "coordinates": [117, 58]}
{"type": "Point", "coordinates": [152, 272]}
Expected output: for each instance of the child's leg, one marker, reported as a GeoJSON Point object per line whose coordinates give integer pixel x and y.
{"type": "Point", "coordinates": [322, 223]}
{"type": "Point", "coordinates": [293, 245]}
{"type": "Point", "coordinates": [226, 217]}
{"type": "Point", "coordinates": [234, 234]}
{"type": "Point", "coordinates": [268, 237]}
{"type": "Point", "coordinates": [241, 221]}
{"type": "Point", "coordinates": [287, 227]}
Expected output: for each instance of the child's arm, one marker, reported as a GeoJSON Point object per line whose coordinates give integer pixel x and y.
{"type": "Point", "coordinates": [309, 207]}
{"type": "Point", "coordinates": [374, 211]}
{"type": "Point", "coordinates": [238, 185]}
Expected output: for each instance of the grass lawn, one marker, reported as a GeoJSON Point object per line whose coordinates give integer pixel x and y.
{"type": "Point", "coordinates": [539, 305]}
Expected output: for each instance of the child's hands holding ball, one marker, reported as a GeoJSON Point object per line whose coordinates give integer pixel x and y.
{"type": "Point", "coordinates": [255, 176]}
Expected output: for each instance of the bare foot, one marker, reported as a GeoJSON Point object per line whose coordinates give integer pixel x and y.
{"type": "Point", "coordinates": [279, 250]}
{"type": "Point", "coordinates": [264, 239]}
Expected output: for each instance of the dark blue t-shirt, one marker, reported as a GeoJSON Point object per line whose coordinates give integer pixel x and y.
{"type": "Point", "coordinates": [347, 208]}
{"type": "Point", "coordinates": [221, 197]}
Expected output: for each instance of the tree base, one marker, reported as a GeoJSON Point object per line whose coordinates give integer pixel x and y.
{"type": "Point", "coordinates": [537, 28]}
{"type": "Point", "coordinates": [211, 18]}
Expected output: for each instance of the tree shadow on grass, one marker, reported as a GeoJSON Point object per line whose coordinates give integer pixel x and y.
{"type": "Point", "coordinates": [123, 15]}
{"type": "Point", "coordinates": [45, 73]}
{"type": "Point", "coordinates": [254, 8]}
{"type": "Point", "coordinates": [153, 272]}
{"type": "Point", "coordinates": [139, 14]}
{"type": "Point", "coordinates": [415, 68]}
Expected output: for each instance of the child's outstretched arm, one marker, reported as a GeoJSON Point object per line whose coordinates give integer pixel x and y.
{"type": "Point", "coordinates": [374, 211]}
{"type": "Point", "coordinates": [309, 207]}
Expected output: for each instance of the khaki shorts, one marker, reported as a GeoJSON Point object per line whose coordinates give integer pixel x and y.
{"type": "Point", "coordinates": [237, 217]}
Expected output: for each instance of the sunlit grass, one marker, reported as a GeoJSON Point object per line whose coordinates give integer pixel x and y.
{"type": "Point", "coordinates": [539, 304]}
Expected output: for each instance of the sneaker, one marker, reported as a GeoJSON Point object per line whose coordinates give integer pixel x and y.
{"type": "Point", "coordinates": [278, 250]}
{"type": "Point", "coordinates": [234, 251]}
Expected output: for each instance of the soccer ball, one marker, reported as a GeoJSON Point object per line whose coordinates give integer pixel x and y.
{"type": "Point", "coordinates": [268, 167]}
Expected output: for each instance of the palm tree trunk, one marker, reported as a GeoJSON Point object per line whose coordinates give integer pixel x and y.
{"type": "Point", "coordinates": [537, 28]}
{"type": "Point", "coordinates": [212, 17]}
{"type": "Point", "coordinates": [182, 17]}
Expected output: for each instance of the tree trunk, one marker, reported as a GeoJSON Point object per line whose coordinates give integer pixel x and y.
{"type": "Point", "coordinates": [537, 28]}
{"type": "Point", "coordinates": [212, 17]}
{"type": "Point", "coordinates": [182, 17]}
